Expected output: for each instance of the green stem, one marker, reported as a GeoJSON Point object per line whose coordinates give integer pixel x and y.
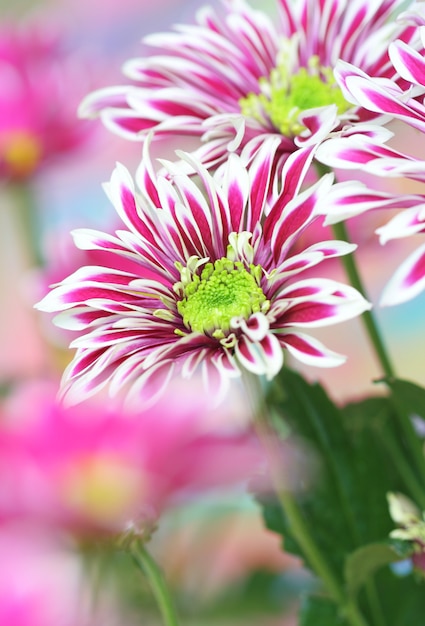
{"type": "Point", "coordinates": [368, 318]}
{"type": "Point", "coordinates": [153, 573]}
{"type": "Point", "coordinates": [25, 209]}
{"type": "Point", "coordinates": [374, 603]}
{"type": "Point", "coordinates": [291, 510]}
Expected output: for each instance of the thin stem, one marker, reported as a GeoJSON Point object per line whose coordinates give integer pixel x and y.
{"type": "Point", "coordinates": [290, 508]}
{"type": "Point", "coordinates": [368, 318]}
{"type": "Point", "coordinates": [153, 573]}
{"type": "Point", "coordinates": [374, 603]}
{"type": "Point", "coordinates": [25, 210]}
{"type": "Point", "coordinates": [350, 266]}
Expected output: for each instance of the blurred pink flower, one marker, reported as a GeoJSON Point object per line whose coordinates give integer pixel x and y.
{"type": "Point", "coordinates": [42, 85]}
{"type": "Point", "coordinates": [97, 468]}
{"type": "Point", "coordinates": [42, 581]}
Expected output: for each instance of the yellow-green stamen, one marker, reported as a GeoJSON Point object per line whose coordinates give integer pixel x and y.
{"type": "Point", "coordinates": [223, 290]}
{"type": "Point", "coordinates": [284, 95]}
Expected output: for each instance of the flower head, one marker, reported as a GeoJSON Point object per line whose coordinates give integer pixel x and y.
{"type": "Point", "coordinates": [237, 77]}
{"type": "Point", "coordinates": [41, 86]}
{"type": "Point", "coordinates": [368, 150]}
{"type": "Point", "coordinates": [226, 294]}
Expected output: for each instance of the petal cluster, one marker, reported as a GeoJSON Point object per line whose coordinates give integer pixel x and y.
{"type": "Point", "coordinates": [367, 149]}
{"type": "Point", "coordinates": [196, 82]}
{"type": "Point", "coordinates": [131, 325]}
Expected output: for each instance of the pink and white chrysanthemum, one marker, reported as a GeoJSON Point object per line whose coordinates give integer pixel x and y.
{"type": "Point", "coordinates": [241, 76]}
{"type": "Point", "coordinates": [371, 153]}
{"type": "Point", "coordinates": [224, 291]}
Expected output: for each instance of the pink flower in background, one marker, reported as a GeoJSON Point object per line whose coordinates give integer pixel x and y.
{"type": "Point", "coordinates": [93, 468]}
{"type": "Point", "coordinates": [43, 582]}
{"type": "Point", "coordinates": [241, 76]}
{"type": "Point", "coordinates": [41, 85]}
{"type": "Point", "coordinates": [371, 154]}
{"type": "Point", "coordinates": [226, 296]}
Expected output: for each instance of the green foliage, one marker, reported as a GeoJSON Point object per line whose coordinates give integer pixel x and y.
{"type": "Point", "coordinates": [320, 611]}
{"type": "Point", "coordinates": [344, 504]}
{"type": "Point", "coordinates": [410, 397]}
{"type": "Point", "coordinates": [364, 561]}
{"type": "Point", "coordinates": [402, 598]}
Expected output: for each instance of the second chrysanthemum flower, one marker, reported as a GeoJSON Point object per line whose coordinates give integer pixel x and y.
{"type": "Point", "coordinates": [218, 289]}
{"type": "Point", "coordinates": [238, 76]}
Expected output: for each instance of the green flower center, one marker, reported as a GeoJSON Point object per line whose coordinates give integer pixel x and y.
{"type": "Point", "coordinates": [223, 290]}
{"type": "Point", "coordinates": [284, 95]}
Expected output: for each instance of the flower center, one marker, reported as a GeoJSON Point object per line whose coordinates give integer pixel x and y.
{"type": "Point", "coordinates": [102, 487]}
{"type": "Point", "coordinates": [285, 94]}
{"type": "Point", "coordinates": [224, 289]}
{"type": "Point", "coordinates": [21, 152]}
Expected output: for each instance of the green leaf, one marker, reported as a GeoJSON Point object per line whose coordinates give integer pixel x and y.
{"type": "Point", "coordinates": [364, 561]}
{"type": "Point", "coordinates": [402, 598]}
{"type": "Point", "coordinates": [410, 396]}
{"type": "Point", "coordinates": [319, 611]}
{"type": "Point", "coordinates": [345, 506]}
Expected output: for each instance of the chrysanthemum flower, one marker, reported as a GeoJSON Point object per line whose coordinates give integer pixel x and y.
{"type": "Point", "coordinates": [242, 76]}
{"type": "Point", "coordinates": [368, 151]}
{"type": "Point", "coordinates": [227, 294]}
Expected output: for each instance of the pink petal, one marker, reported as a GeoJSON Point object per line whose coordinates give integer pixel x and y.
{"type": "Point", "coordinates": [310, 351]}
{"type": "Point", "coordinates": [408, 281]}
{"type": "Point", "coordinates": [261, 358]}
{"type": "Point", "coordinates": [408, 62]}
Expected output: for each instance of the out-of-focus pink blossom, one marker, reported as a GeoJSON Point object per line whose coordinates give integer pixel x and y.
{"type": "Point", "coordinates": [42, 581]}
{"type": "Point", "coordinates": [96, 468]}
{"type": "Point", "coordinates": [41, 86]}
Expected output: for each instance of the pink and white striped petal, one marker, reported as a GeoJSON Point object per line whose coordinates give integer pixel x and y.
{"type": "Point", "coordinates": [350, 199]}
{"type": "Point", "coordinates": [406, 223]}
{"type": "Point", "coordinates": [319, 302]}
{"type": "Point", "coordinates": [263, 358]}
{"type": "Point", "coordinates": [408, 281]}
{"type": "Point", "coordinates": [408, 62]}
{"type": "Point", "coordinates": [310, 350]}
{"type": "Point", "coordinates": [255, 328]}
{"type": "Point", "coordinates": [380, 95]}
{"type": "Point", "coordinates": [318, 122]}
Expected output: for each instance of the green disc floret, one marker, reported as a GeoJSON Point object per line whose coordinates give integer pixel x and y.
{"type": "Point", "coordinates": [224, 290]}
{"type": "Point", "coordinates": [284, 95]}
